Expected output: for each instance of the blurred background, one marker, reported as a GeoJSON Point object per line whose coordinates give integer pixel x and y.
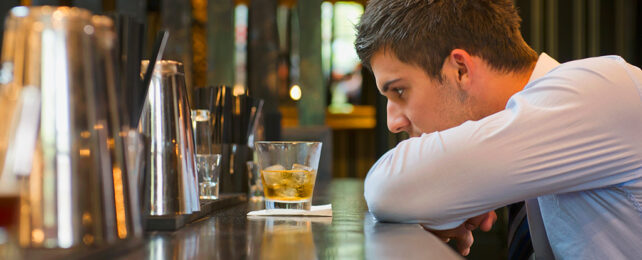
{"type": "Point", "coordinates": [299, 57]}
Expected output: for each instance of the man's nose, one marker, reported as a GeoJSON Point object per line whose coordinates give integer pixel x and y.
{"type": "Point", "coordinates": [397, 121]}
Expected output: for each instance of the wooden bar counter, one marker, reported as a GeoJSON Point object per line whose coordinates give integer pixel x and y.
{"type": "Point", "coordinates": [351, 233]}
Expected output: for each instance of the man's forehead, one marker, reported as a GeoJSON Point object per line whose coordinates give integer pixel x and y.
{"type": "Point", "coordinates": [385, 65]}
{"type": "Point", "coordinates": [386, 56]}
{"type": "Point", "coordinates": [387, 68]}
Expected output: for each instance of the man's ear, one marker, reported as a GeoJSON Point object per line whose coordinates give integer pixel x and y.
{"type": "Point", "coordinates": [462, 63]}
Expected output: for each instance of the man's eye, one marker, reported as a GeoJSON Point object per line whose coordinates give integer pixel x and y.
{"type": "Point", "coordinates": [399, 91]}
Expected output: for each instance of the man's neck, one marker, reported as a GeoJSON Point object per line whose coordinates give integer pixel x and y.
{"type": "Point", "coordinates": [514, 82]}
{"type": "Point", "coordinates": [501, 87]}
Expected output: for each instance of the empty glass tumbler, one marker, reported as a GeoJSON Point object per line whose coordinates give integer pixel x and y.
{"type": "Point", "coordinates": [208, 175]}
{"type": "Point", "coordinates": [254, 182]}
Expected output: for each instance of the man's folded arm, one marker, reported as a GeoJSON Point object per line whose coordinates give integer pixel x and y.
{"type": "Point", "coordinates": [386, 199]}
{"type": "Point", "coordinates": [534, 147]}
{"type": "Point", "coordinates": [402, 187]}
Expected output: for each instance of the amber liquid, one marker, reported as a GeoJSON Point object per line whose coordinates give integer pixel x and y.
{"type": "Point", "coordinates": [277, 242]}
{"type": "Point", "coordinates": [288, 185]}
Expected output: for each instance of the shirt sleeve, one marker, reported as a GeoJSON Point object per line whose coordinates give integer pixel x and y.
{"type": "Point", "coordinates": [575, 129]}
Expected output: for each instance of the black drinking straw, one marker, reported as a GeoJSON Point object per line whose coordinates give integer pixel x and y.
{"type": "Point", "coordinates": [159, 47]}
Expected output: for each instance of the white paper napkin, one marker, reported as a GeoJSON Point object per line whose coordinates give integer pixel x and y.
{"type": "Point", "coordinates": [315, 211]}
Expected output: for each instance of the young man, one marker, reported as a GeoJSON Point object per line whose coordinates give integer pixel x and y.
{"type": "Point", "coordinates": [494, 124]}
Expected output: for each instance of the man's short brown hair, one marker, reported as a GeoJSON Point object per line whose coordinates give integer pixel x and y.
{"type": "Point", "coordinates": [424, 32]}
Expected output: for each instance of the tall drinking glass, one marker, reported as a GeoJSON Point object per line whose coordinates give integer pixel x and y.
{"type": "Point", "coordinates": [202, 127]}
{"type": "Point", "coordinates": [289, 171]}
{"type": "Point", "coordinates": [207, 164]}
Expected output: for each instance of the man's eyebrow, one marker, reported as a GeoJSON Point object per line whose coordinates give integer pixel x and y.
{"type": "Point", "coordinates": [386, 86]}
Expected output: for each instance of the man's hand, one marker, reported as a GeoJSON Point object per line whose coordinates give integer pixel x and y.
{"type": "Point", "coordinates": [463, 235]}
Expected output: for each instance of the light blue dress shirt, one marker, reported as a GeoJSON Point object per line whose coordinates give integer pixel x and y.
{"type": "Point", "coordinates": [569, 143]}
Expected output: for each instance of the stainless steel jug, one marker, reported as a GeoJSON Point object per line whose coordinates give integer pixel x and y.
{"type": "Point", "coordinates": [171, 185]}
{"type": "Point", "coordinates": [63, 135]}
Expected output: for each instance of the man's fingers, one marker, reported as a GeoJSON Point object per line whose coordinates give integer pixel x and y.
{"type": "Point", "coordinates": [463, 239]}
{"type": "Point", "coordinates": [484, 221]}
{"type": "Point", "coordinates": [488, 222]}
{"type": "Point", "coordinates": [464, 242]}
{"type": "Point", "coordinates": [462, 236]}
{"type": "Point", "coordinates": [471, 226]}
{"type": "Point", "coordinates": [473, 223]}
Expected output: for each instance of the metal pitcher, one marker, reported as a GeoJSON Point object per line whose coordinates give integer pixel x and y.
{"type": "Point", "coordinates": [62, 139]}
{"type": "Point", "coordinates": [171, 185]}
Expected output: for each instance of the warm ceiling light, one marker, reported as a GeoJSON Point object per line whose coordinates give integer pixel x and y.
{"type": "Point", "coordinates": [238, 90]}
{"type": "Point", "coordinates": [295, 92]}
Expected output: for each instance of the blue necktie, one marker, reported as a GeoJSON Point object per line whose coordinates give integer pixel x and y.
{"type": "Point", "coordinates": [519, 237]}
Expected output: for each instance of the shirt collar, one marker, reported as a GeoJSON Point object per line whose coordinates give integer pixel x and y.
{"type": "Point", "coordinates": [544, 64]}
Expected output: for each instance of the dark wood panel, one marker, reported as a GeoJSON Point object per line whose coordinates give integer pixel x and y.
{"type": "Point", "coordinates": [577, 29]}
{"type": "Point", "coordinates": [262, 62]}
{"type": "Point", "coordinates": [95, 6]}
{"type": "Point", "coordinates": [354, 152]}
{"type": "Point", "coordinates": [135, 8]}
{"type": "Point", "coordinates": [313, 101]}
{"type": "Point", "coordinates": [49, 2]}
{"type": "Point", "coordinates": [566, 42]}
{"type": "Point", "coordinates": [607, 28]}
{"type": "Point", "coordinates": [5, 6]}
{"type": "Point", "coordinates": [637, 23]}
{"type": "Point", "coordinates": [176, 16]}
{"type": "Point", "coordinates": [220, 42]}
